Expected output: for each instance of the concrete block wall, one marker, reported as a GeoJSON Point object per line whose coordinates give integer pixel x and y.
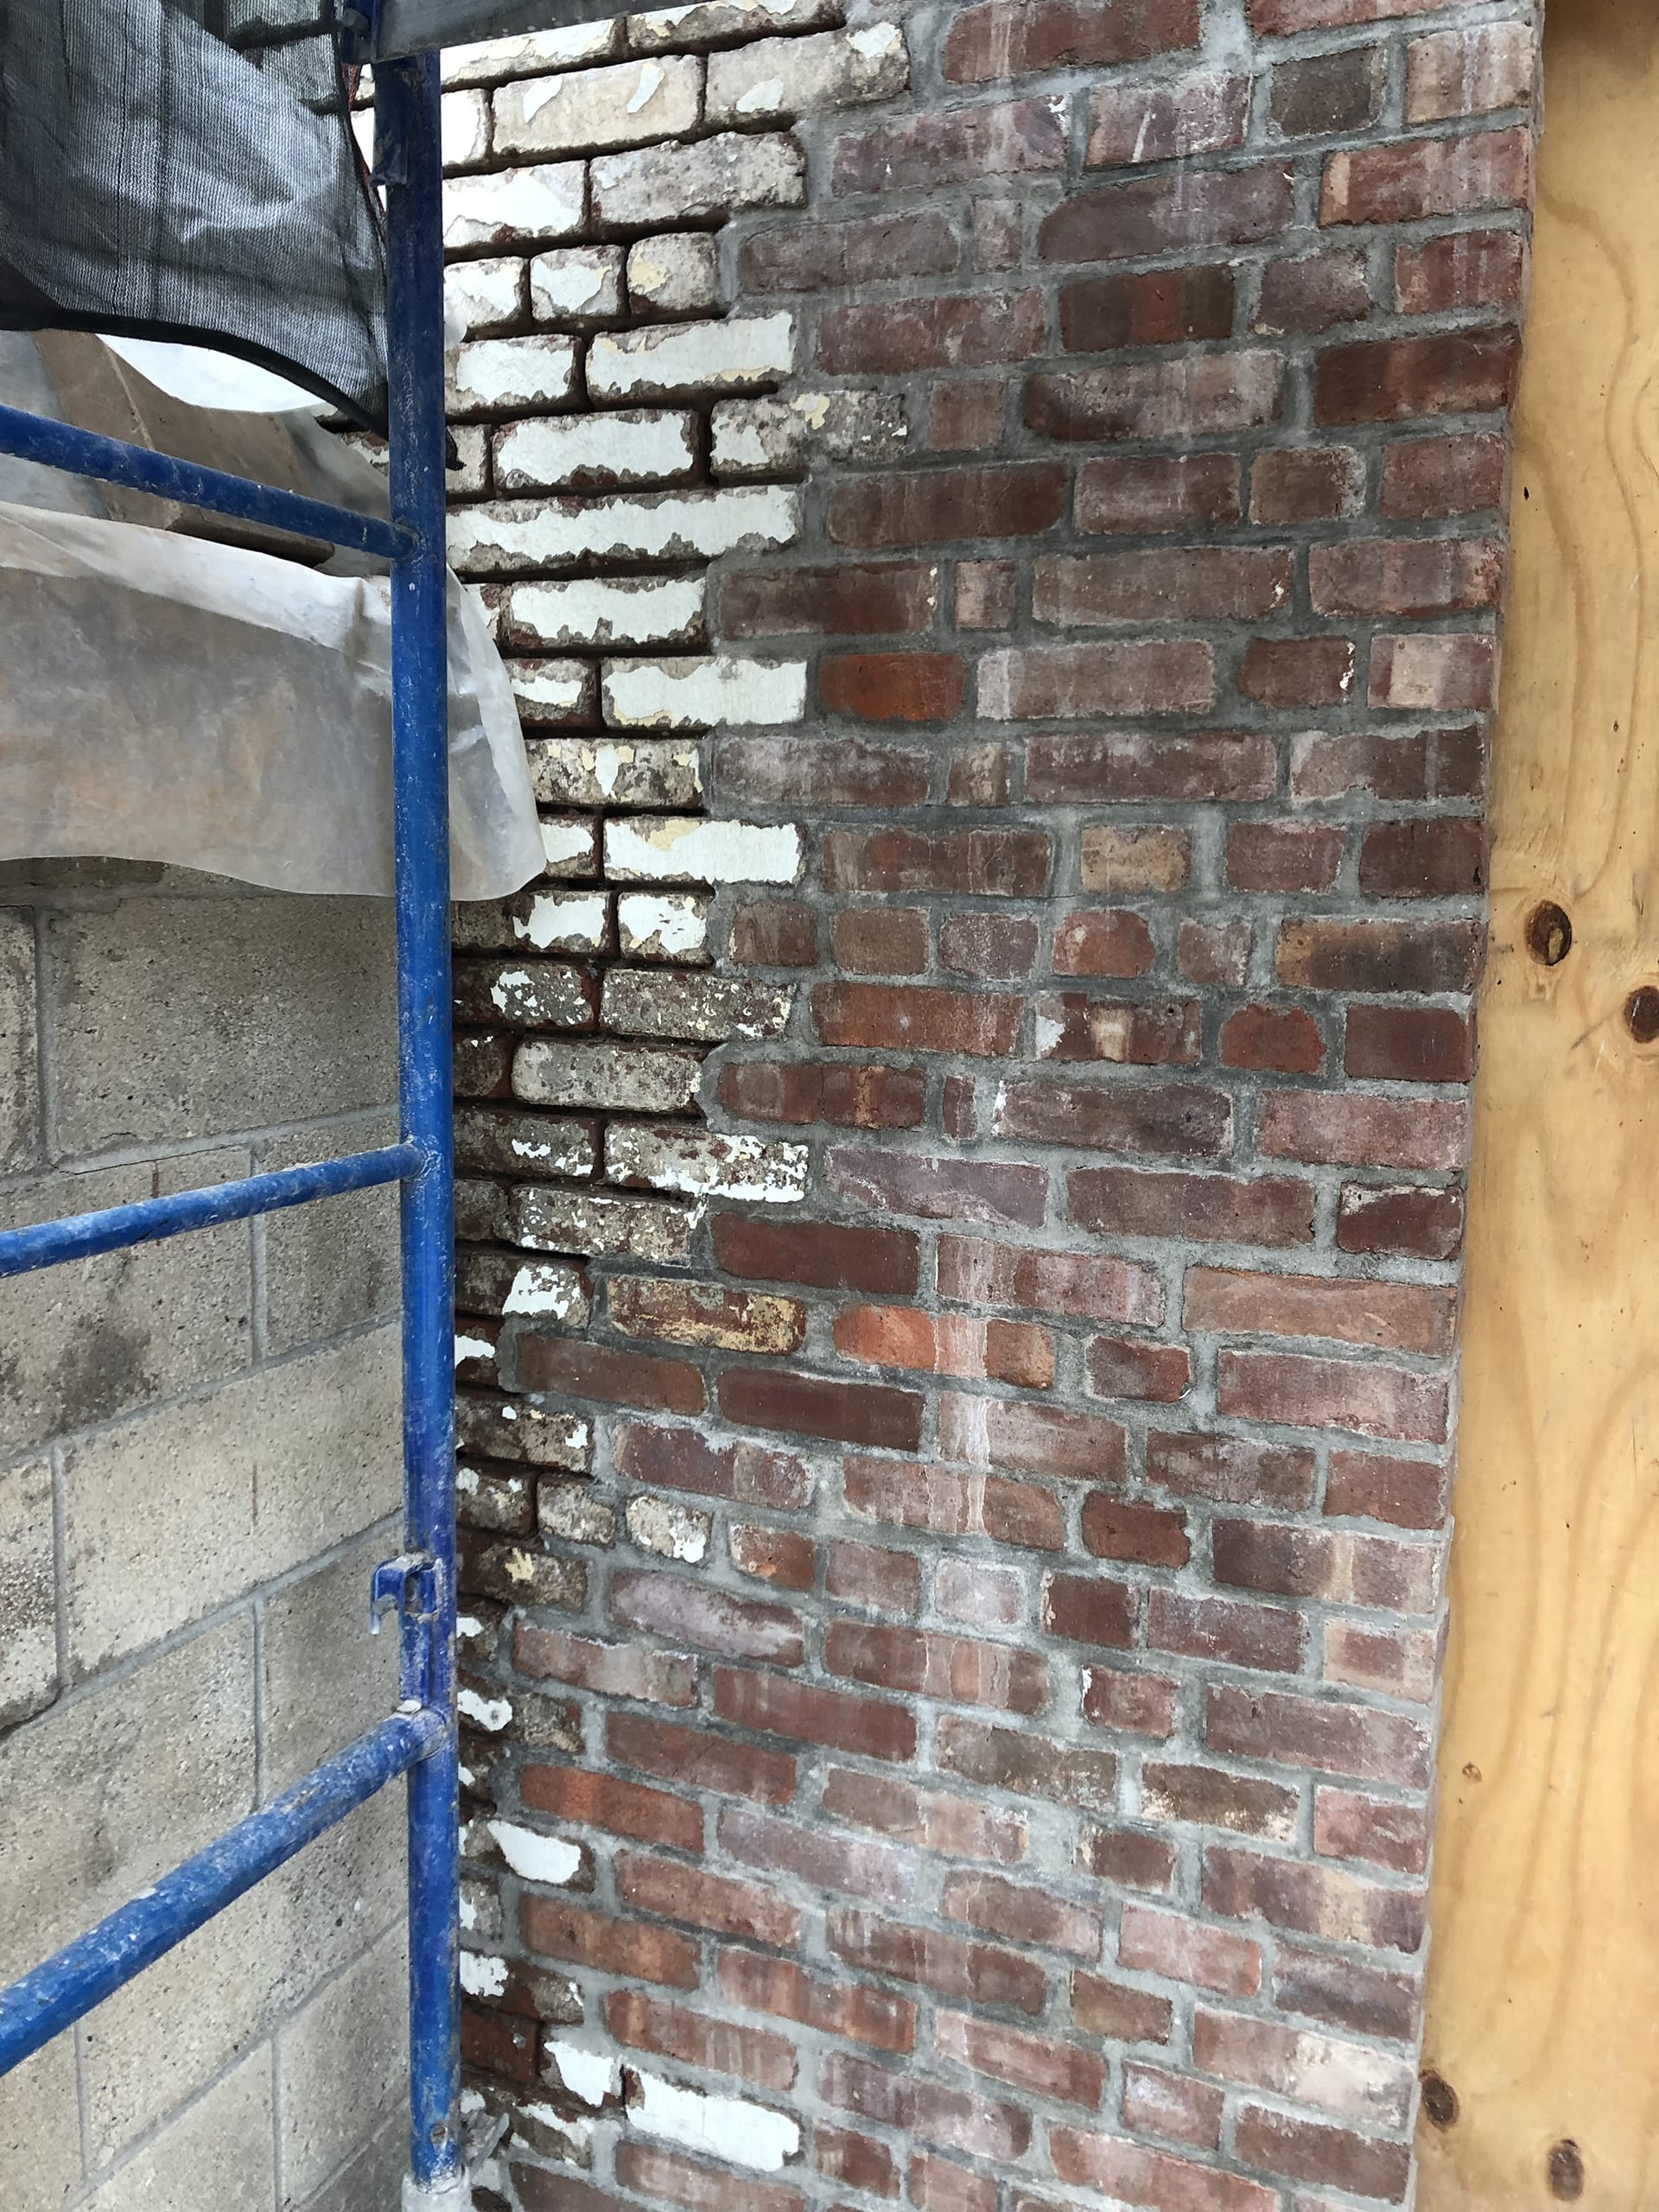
{"type": "Point", "coordinates": [199, 1465]}
{"type": "Point", "coordinates": [999, 515]}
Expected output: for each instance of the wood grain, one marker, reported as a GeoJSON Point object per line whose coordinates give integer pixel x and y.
{"type": "Point", "coordinates": [1543, 1998]}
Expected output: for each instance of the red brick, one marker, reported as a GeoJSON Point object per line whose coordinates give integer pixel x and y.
{"type": "Point", "coordinates": [856, 2160]}
{"type": "Point", "coordinates": [984, 1190]}
{"type": "Point", "coordinates": [1018, 38]}
{"type": "Point", "coordinates": [652, 2172]}
{"type": "Point", "coordinates": [1088, 1609]}
{"type": "Point", "coordinates": [949, 1343]}
{"type": "Point", "coordinates": [496, 2044]}
{"type": "Point", "coordinates": [622, 1378]}
{"type": "Point", "coordinates": [699, 1759]}
{"type": "Point", "coordinates": [1382, 1832]}
{"type": "Point", "coordinates": [1202, 395]}
{"type": "Point", "coordinates": [1408, 1493]}
{"type": "Point", "coordinates": [773, 1705]}
{"type": "Point", "coordinates": [1026, 1765]}
{"type": "Point", "coordinates": [1469, 268]}
{"type": "Point", "coordinates": [905, 1495]}
{"type": "Point", "coordinates": [987, 1597]}
{"type": "Point", "coordinates": [924, 509]}
{"type": "Point", "coordinates": [1424, 859]}
{"type": "Point", "coordinates": [1406, 576]}
{"type": "Point", "coordinates": [1144, 216]}
{"type": "Point", "coordinates": [643, 2023]}
{"type": "Point", "coordinates": [1139, 1705]}
{"type": "Point", "coordinates": [1349, 1995]}
{"type": "Point", "coordinates": [935, 2185]}
{"type": "Point", "coordinates": [1193, 583]}
{"type": "Point", "coordinates": [1283, 856]}
{"type": "Point", "coordinates": [1278, 18]}
{"type": "Point", "coordinates": [997, 1907]}
{"type": "Point", "coordinates": [1076, 1025]}
{"type": "Point", "coordinates": [808, 1405]}
{"type": "Point", "coordinates": [1206, 112]}
{"type": "Point", "coordinates": [1321, 1732]}
{"type": "Point", "coordinates": [1397, 1316]}
{"type": "Point", "coordinates": [977, 1972]}
{"type": "Point", "coordinates": [1029, 1440]}
{"type": "Point", "coordinates": [1118, 2011]}
{"type": "Point", "coordinates": [1122, 1367]}
{"type": "Point", "coordinates": [825, 1255]}
{"type": "Point", "coordinates": [984, 597]}
{"type": "Point", "coordinates": [1409, 179]}
{"type": "Point", "coordinates": [1409, 1044]}
{"type": "Point", "coordinates": [868, 1575]}
{"type": "Point", "coordinates": [1156, 306]}
{"type": "Point", "coordinates": [978, 2126]}
{"type": "Point", "coordinates": [1456, 476]}
{"type": "Point", "coordinates": [917, 1019]}
{"type": "Point", "coordinates": [1312, 292]}
{"type": "Point", "coordinates": [1339, 1567]}
{"type": "Point", "coordinates": [1215, 952]}
{"type": "Point", "coordinates": [979, 1271]}
{"type": "Point", "coordinates": [1218, 765]}
{"type": "Point", "coordinates": [922, 1663]}
{"type": "Point", "coordinates": [1127, 676]}
{"type": "Point", "coordinates": [1061, 2071]}
{"type": "Point", "coordinates": [893, 687]}
{"type": "Point", "coordinates": [1235, 1632]}
{"type": "Point", "coordinates": [694, 1314]}
{"type": "Point", "coordinates": [1154, 1942]}
{"type": "Point", "coordinates": [1333, 1131]}
{"type": "Point", "coordinates": [1469, 72]}
{"type": "Point", "coordinates": [975, 330]}
{"type": "Point", "coordinates": [1303, 2150]}
{"type": "Point", "coordinates": [845, 600]}
{"type": "Point", "coordinates": [773, 1555]}
{"type": "Point", "coordinates": [994, 946]}
{"type": "Point", "coordinates": [682, 1459]}
{"type": "Point", "coordinates": [1137, 494]}
{"type": "Point", "coordinates": [1401, 1663]}
{"type": "Point", "coordinates": [1160, 2103]}
{"type": "Point", "coordinates": [1437, 675]}
{"type": "Point", "coordinates": [982, 863]}
{"type": "Point", "coordinates": [955, 146]}
{"type": "Point", "coordinates": [1328, 95]}
{"type": "Point", "coordinates": [1232, 1470]}
{"type": "Point", "coordinates": [840, 2008]}
{"type": "Point", "coordinates": [567, 1793]}
{"type": "Point", "coordinates": [608, 1669]}
{"type": "Point", "coordinates": [965, 417]}
{"type": "Point", "coordinates": [554, 1929]}
{"type": "Point", "coordinates": [1099, 942]}
{"type": "Point", "coordinates": [1152, 1535]}
{"type": "Point", "coordinates": [1312, 484]}
{"type": "Point", "coordinates": [820, 1860]}
{"type": "Point", "coordinates": [483, 1064]}
{"type": "Point", "coordinates": [1330, 767]}
{"type": "Point", "coordinates": [955, 1827]}
{"type": "Point", "coordinates": [1290, 1389]}
{"type": "Point", "coordinates": [1212, 1798]}
{"type": "Point", "coordinates": [741, 1628]}
{"type": "Point", "coordinates": [729, 1907]}
{"type": "Point", "coordinates": [1137, 2175]}
{"type": "Point", "coordinates": [1283, 1040]}
{"type": "Point", "coordinates": [774, 933]}
{"type": "Point", "coordinates": [1390, 380]}
{"type": "Point", "coordinates": [1182, 1121]}
{"type": "Point", "coordinates": [1338, 954]}
{"type": "Point", "coordinates": [1298, 671]}
{"type": "Point", "coordinates": [1127, 1856]}
{"type": "Point", "coordinates": [1126, 1202]}
{"type": "Point", "coordinates": [838, 1092]}
{"type": "Point", "coordinates": [813, 255]}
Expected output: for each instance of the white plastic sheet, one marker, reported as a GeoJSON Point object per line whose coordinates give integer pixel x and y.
{"type": "Point", "coordinates": [165, 698]}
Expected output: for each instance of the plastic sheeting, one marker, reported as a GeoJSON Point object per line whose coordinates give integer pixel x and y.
{"type": "Point", "coordinates": [163, 698]}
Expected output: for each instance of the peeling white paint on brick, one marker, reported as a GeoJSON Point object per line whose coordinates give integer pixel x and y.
{"type": "Point", "coordinates": [706, 20]}
{"type": "Point", "coordinates": [489, 61]}
{"type": "Point", "coordinates": [672, 1531]}
{"type": "Point", "coordinates": [624, 772]}
{"type": "Point", "coordinates": [491, 374]}
{"type": "Point", "coordinates": [596, 451]}
{"type": "Point", "coordinates": [534, 1857]}
{"type": "Point", "coordinates": [547, 691]}
{"type": "Point", "coordinates": [565, 842]}
{"type": "Point", "coordinates": [703, 693]}
{"type": "Point", "coordinates": [472, 1348]}
{"type": "Point", "coordinates": [706, 1163]}
{"type": "Point", "coordinates": [665, 360]}
{"type": "Point", "coordinates": [776, 77]}
{"type": "Point", "coordinates": [775, 436]}
{"type": "Point", "coordinates": [580, 284]}
{"type": "Point", "coordinates": [675, 275]}
{"type": "Point", "coordinates": [504, 537]}
{"type": "Point", "coordinates": [656, 186]}
{"type": "Point", "coordinates": [662, 925]}
{"type": "Point", "coordinates": [546, 1290]}
{"type": "Point", "coordinates": [464, 130]}
{"type": "Point", "coordinates": [724, 2128]}
{"type": "Point", "coordinates": [483, 296]}
{"type": "Point", "coordinates": [533, 205]}
{"type": "Point", "coordinates": [481, 1975]}
{"type": "Point", "coordinates": [593, 2076]}
{"type": "Point", "coordinates": [492, 1713]}
{"type": "Point", "coordinates": [591, 109]}
{"type": "Point", "coordinates": [565, 921]}
{"type": "Point", "coordinates": [692, 849]}
{"type": "Point", "coordinates": [606, 611]}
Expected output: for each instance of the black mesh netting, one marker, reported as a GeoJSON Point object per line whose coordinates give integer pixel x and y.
{"type": "Point", "coordinates": [186, 170]}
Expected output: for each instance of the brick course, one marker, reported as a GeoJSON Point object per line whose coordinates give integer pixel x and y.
{"type": "Point", "coordinates": [996, 516]}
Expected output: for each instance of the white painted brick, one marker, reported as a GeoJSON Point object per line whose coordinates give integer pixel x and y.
{"type": "Point", "coordinates": [708, 180]}
{"type": "Point", "coordinates": [562, 921]}
{"type": "Point", "coordinates": [490, 60]}
{"type": "Point", "coordinates": [702, 694]}
{"type": "Point", "coordinates": [513, 1429]}
{"type": "Point", "coordinates": [708, 23]}
{"type": "Point", "coordinates": [693, 849]}
{"type": "Point", "coordinates": [591, 109]}
{"type": "Point", "coordinates": [776, 436]}
{"type": "Point", "coordinates": [552, 691]}
{"type": "Point", "coordinates": [705, 1163]}
{"type": "Point", "coordinates": [665, 362]}
{"type": "Point", "coordinates": [576, 286]}
{"type": "Point", "coordinates": [775, 78]}
{"type": "Point", "coordinates": [483, 296]}
{"type": "Point", "coordinates": [691, 1008]}
{"type": "Point", "coordinates": [472, 450]}
{"type": "Point", "coordinates": [662, 925]}
{"type": "Point", "coordinates": [464, 130]}
{"type": "Point", "coordinates": [678, 273]}
{"type": "Point", "coordinates": [533, 206]}
{"type": "Point", "coordinates": [672, 1531]}
{"type": "Point", "coordinates": [596, 453]}
{"type": "Point", "coordinates": [619, 772]}
{"type": "Point", "coordinates": [597, 611]}
{"type": "Point", "coordinates": [571, 845]}
{"type": "Point", "coordinates": [724, 2128]}
{"type": "Point", "coordinates": [643, 1079]}
{"type": "Point", "coordinates": [543, 1218]}
{"type": "Point", "coordinates": [495, 376]}
{"type": "Point", "coordinates": [507, 537]}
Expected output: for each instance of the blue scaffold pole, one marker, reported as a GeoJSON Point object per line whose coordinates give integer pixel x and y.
{"type": "Point", "coordinates": [408, 163]}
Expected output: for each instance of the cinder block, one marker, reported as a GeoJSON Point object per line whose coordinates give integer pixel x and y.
{"type": "Point", "coordinates": [225, 1492]}
{"type": "Point", "coordinates": [296, 994]}
{"type": "Point", "coordinates": [40, 2130]}
{"type": "Point", "coordinates": [341, 2065]}
{"type": "Point", "coordinates": [327, 1679]}
{"type": "Point", "coordinates": [138, 1775]}
{"type": "Point", "coordinates": [28, 1603]}
{"type": "Point", "coordinates": [372, 2181]}
{"type": "Point", "coordinates": [331, 1265]}
{"type": "Point", "coordinates": [218, 2157]}
{"type": "Point", "coordinates": [19, 1097]}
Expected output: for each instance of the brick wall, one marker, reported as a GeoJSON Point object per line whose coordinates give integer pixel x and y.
{"type": "Point", "coordinates": [998, 516]}
{"type": "Point", "coordinates": [199, 1468]}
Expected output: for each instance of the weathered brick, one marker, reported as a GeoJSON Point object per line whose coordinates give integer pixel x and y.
{"type": "Point", "coordinates": [1016, 138]}
{"type": "Point", "coordinates": [1200, 396]}
{"type": "Point", "coordinates": [1391, 379]}
{"type": "Point", "coordinates": [1147, 216]}
{"type": "Point", "coordinates": [1159, 307]}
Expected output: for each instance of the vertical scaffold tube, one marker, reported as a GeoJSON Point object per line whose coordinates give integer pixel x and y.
{"type": "Point", "coordinates": [407, 125]}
